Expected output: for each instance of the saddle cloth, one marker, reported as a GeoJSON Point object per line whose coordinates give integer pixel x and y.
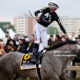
{"type": "Point", "coordinates": [28, 61]}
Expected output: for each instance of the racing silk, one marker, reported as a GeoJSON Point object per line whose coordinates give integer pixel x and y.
{"type": "Point", "coordinates": [46, 18]}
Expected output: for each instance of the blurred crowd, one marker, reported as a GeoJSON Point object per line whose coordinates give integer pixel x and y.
{"type": "Point", "coordinates": [25, 44]}
{"type": "Point", "coordinates": [18, 43]}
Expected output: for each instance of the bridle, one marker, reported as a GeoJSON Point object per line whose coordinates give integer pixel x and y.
{"type": "Point", "coordinates": [69, 46]}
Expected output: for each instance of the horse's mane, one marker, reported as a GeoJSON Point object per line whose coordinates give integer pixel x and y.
{"type": "Point", "coordinates": [60, 43]}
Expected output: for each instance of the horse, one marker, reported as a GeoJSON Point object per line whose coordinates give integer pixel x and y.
{"type": "Point", "coordinates": [53, 67]}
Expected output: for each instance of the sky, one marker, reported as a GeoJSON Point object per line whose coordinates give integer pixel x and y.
{"type": "Point", "coordinates": [11, 8]}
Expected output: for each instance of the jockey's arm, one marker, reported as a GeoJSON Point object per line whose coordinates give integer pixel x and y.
{"type": "Point", "coordinates": [36, 15]}
{"type": "Point", "coordinates": [59, 23]}
{"type": "Point", "coordinates": [39, 11]}
{"type": "Point", "coordinates": [61, 26]}
{"type": "Point", "coordinates": [63, 29]}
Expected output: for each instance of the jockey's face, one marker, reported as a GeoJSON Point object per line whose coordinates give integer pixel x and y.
{"type": "Point", "coordinates": [52, 9]}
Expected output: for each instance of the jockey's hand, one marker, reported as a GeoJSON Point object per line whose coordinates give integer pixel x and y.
{"type": "Point", "coordinates": [37, 19]}
{"type": "Point", "coordinates": [67, 37]}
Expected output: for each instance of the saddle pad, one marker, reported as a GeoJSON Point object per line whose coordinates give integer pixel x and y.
{"type": "Point", "coordinates": [25, 63]}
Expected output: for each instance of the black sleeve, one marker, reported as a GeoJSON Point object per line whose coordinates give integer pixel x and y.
{"type": "Point", "coordinates": [61, 26]}
{"type": "Point", "coordinates": [59, 23]}
{"type": "Point", "coordinates": [37, 12]}
{"type": "Point", "coordinates": [43, 10]}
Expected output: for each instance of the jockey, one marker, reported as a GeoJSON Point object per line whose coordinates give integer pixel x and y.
{"type": "Point", "coordinates": [48, 15]}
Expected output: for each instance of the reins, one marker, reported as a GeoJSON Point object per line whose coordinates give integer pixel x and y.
{"type": "Point", "coordinates": [69, 46]}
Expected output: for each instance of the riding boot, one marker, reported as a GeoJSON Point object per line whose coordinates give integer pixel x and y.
{"type": "Point", "coordinates": [35, 52]}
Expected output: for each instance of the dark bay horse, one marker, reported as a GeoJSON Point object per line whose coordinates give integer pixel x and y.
{"type": "Point", "coordinates": [53, 67]}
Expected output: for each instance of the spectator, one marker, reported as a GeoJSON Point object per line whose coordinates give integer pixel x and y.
{"type": "Point", "coordinates": [10, 48]}
{"type": "Point", "coordinates": [25, 41]}
{"type": "Point", "coordinates": [16, 40]}
{"type": "Point", "coordinates": [30, 44]}
{"type": "Point", "coordinates": [50, 41]}
{"type": "Point", "coordinates": [2, 46]}
{"type": "Point", "coordinates": [9, 39]}
{"type": "Point", "coordinates": [9, 44]}
{"type": "Point", "coordinates": [57, 38]}
{"type": "Point", "coordinates": [21, 47]}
